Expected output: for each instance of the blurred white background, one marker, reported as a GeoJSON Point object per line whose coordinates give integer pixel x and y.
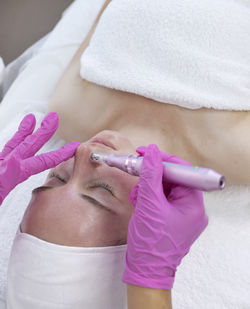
{"type": "Point", "coordinates": [23, 22]}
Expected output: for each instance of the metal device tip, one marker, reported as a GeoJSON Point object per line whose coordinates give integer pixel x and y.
{"type": "Point", "coordinates": [97, 157]}
{"type": "Point", "coordinates": [222, 182]}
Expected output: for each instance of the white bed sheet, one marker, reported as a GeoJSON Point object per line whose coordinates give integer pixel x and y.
{"type": "Point", "coordinates": [216, 273]}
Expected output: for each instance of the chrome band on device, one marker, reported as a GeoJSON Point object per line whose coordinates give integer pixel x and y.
{"type": "Point", "coordinates": [130, 164]}
{"type": "Point", "coordinates": [127, 165]}
{"type": "Point", "coordinates": [133, 165]}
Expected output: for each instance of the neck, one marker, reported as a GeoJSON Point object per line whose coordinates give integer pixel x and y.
{"type": "Point", "coordinates": [141, 135]}
{"type": "Point", "coordinates": [144, 121]}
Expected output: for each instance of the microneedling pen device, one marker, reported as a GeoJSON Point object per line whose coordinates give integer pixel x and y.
{"type": "Point", "coordinates": [194, 177]}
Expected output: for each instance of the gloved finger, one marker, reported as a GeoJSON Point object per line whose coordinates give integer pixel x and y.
{"type": "Point", "coordinates": [152, 167]}
{"type": "Point", "coordinates": [34, 142]}
{"type": "Point", "coordinates": [134, 192]}
{"type": "Point", "coordinates": [150, 181]}
{"type": "Point", "coordinates": [166, 157]}
{"type": "Point", "coordinates": [176, 191]}
{"type": "Point", "coordinates": [189, 201]}
{"type": "Point", "coordinates": [141, 150]}
{"type": "Point", "coordinates": [42, 162]}
{"type": "Point", "coordinates": [25, 128]}
{"type": "Point", "coordinates": [133, 195]}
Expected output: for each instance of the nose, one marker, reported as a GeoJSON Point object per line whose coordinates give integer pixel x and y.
{"type": "Point", "coordinates": [83, 152]}
{"type": "Point", "coordinates": [83, 167]}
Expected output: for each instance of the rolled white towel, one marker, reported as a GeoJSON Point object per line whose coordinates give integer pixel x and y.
{"type": "Point", "coordinates": [189, 53]}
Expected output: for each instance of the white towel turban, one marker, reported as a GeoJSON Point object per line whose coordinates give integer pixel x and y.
{"type": "Point", "coordinates": [190, 53]}
{"type": "Point", "coordinates": [43, 275]}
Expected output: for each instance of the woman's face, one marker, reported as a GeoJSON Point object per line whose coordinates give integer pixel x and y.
{"type": "Point", "coordinates": [83, 203]}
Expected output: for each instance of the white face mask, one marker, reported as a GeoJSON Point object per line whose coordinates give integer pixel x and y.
{"type": "Point", "coordinates": [43, 275]}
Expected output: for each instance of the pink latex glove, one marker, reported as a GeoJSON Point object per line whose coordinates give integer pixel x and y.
{"type": "Point", "coordinates": [163, 225]}
{"type": "Point", "coordinates": [17, 160]}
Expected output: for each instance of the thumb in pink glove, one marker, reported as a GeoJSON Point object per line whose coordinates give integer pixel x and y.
{"type": "Point", "coordinates": [162, 229]}
{"type": "Point", "coordinates": [17, 160]}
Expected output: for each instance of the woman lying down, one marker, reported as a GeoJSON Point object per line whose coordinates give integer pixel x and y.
{"type": "Point", "coordinates": [140, 88]}
{"type": "Point", "coordinates": [69, 251]}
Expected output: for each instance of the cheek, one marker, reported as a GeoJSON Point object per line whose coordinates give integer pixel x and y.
{"type": "Point", "coordinates": [103, 228]}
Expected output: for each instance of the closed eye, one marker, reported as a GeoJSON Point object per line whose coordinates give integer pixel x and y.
{"type": "Point", "coordinates": [103, 185]}
{"type": "Point", "coordinates": [54, 175]}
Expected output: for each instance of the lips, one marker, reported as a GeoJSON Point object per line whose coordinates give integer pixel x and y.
{"type": "Point", "coordinates": [103, 141]}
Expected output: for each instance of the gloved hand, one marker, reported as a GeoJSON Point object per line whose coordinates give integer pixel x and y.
{"type": "Point", "coordinates": [163, 225]}
{"type": "Point", "coordinates": [17, 160]}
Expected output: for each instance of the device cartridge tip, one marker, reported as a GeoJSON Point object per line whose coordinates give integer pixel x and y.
{"type": "Point", "coordinates": [97, 157]}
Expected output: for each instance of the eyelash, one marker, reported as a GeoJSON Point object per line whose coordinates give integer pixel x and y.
{"type": "Point", "coordinates": [54, 175]}
{"type": "Point", "coordinates": [95, 185]}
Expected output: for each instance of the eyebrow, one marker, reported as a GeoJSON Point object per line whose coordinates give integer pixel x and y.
{"type": "Point", "coordinates": [85, 197]}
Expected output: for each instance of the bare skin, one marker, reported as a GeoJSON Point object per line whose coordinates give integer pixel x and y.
{"type": "Point", "coordinates": [145, 298]}
{"type": "Point", "coordinates": [205, 137]}
{"type": "Point", "coordinates": [59, 214]}
{"type": "Point", "coordinates": [88, 226]}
